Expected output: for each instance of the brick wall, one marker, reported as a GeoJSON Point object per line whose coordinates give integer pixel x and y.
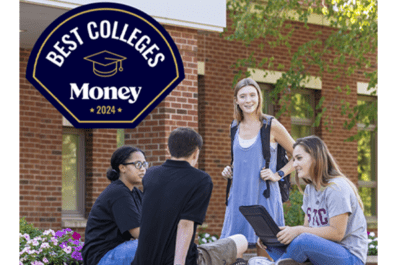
{"type": "Point", "coordinates": [40, 155]}
{"type": "Point", "coordinates": [216, 108]}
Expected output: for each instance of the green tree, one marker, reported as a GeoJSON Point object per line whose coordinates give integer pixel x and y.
{"type": "Point", "coordinates": [342, 52]}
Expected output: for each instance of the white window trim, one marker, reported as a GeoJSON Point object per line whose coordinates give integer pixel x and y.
{"type": "Point", "coordinates": [266, 76]}
{"type": "Point", "coordinates": [362, 89]}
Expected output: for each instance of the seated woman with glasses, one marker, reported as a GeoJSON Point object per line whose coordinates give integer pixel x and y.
{"type": "Point", "coordinates": [113, 224]}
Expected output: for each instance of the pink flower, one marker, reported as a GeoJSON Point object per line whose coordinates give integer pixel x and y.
{"type": "Point", "coordinates": [45, 245]}
{"type": "Point", "coordinates": [54, 241]}
{"type": "Point", "coordinates": [49, 231]}
{"type": "Point", "coordinates": [68, 249]}
{"type": "Point", "coordinates": [45, 260]}
{"type": "Point", "coordinates": [26, 236]}
{"type": "Point", "coordinates": [76, 236]}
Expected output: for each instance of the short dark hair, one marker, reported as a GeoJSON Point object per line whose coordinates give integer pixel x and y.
{"type": "Point", "coordinates": [119, 157]}
{"type": "Point", "coordinates": [183, 141]}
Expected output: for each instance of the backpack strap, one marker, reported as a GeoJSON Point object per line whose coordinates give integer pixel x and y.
{"type": "Point", "coordinates": [265, 137]}
{"type": "Point", "coordinates": [233, 130]}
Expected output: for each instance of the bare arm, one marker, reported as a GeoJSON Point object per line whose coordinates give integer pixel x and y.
{"type": "Point", "coordinates": [282, 137]}
{"type": "Point", "coordinates": [134, 232]}
{"type": "Point", "coordinates": [306, 222]}
{"type": "Point", "coordinates": [184, 236]}
{"type": "Point", "coordinates": [334, 232]}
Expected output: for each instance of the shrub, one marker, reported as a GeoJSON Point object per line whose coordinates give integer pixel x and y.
{"type": "Point", "coordinates": [25, 228]}
{"type": "Point", "coordinates": [293, 212]}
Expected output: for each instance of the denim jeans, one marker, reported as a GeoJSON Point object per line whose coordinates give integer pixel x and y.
{"type": "Point", "coordinates": [316, 249]}
{"type": "Point", "coordinates": [123, 254]}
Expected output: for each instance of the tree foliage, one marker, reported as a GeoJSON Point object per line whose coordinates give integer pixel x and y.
{"type": "Point", "coordinates": [341, 52]}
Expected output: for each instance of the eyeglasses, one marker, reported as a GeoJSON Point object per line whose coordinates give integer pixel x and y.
{"type": "Point", "coordinates": [138, 164]}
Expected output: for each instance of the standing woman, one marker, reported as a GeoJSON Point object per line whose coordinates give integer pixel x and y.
{"type": "Point", "coordinates": [111, 235]}
{"type": "Point", "coordinates": [334, 230]}
{"type": "Point", "coordinates": [248, 174]}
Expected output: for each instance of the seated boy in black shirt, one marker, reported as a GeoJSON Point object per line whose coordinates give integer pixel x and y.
{"type": "Point", "coordinates": [175, 201]}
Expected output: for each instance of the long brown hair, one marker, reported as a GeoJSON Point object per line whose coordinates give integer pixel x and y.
{"type": "Point", "coordinates": [238, 113]}
{"type": "Point", "coordinates": [324, 167]}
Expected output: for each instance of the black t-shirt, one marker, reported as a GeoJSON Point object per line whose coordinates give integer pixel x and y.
{"type": "Point", "coordinates": [172, 191]}
{"type": "Point", "coordinates": [115, 211]}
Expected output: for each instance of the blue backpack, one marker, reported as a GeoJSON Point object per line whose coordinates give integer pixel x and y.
{"type": "Point", "coordinates": [282, 160]}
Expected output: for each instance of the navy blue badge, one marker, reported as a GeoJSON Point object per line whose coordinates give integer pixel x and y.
{"type": "Point", "coordinates": [105, 65]}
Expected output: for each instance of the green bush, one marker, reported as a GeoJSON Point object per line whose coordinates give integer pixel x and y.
{"type": "Point", "coordinates": [25, 228]}
{"type": "Point", "coordinates": [293, 213]}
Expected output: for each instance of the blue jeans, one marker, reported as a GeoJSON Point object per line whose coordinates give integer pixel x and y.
{"type": "Point", "coordinates": [123, 254]}
{"type": "Point", "coordinates": [316, 249]}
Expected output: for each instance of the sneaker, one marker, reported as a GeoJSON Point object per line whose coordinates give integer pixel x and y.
{"type": "Point", "coordinates": [290, 262]}
{"type": "Point", "coordinates": [240, 261]}
{"type": "Point", "coordinates": [260, 261]}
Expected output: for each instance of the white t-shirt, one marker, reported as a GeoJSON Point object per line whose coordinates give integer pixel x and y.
{"type": "Point", "coordinates": [247, 143]}
{"type": "Point", "coordinates": [336, 199]}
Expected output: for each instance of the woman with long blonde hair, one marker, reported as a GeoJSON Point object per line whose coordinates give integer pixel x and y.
{"type": "Point", "coordinates": [334, 230]}
{"type": "Point", "coordinates": [248, 171]}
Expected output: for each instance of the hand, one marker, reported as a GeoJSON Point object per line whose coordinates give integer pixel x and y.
{"type": "Point", "coordinates": [227, 173]}
{"type": "Point", "coordinates": [287, 234]}
{"type": "Point", "coordinates": [260, 244]}
{"type": "Point", "coordinates": [267, 174]}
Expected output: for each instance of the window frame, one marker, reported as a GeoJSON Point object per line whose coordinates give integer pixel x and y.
{"type": "Point", "coordinates": [80, 212]}
{"type": "Point", "coordinates": [374, 161]}
{"type": "Point", "coordinates": [265, 90]}
{"type": "Point", "coordinates": [305, 121]}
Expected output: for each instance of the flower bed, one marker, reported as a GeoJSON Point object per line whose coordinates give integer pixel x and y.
{"type": "Point", "coordinates": [61, 247]}
{"type": "Point", "coordinates": [372, 244]}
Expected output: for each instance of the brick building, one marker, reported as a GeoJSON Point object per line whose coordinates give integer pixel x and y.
{"type": "Point", "coordinates": [62, 169]}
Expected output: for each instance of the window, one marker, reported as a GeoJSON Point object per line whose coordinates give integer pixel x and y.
{"type": "Point", "coordinates": [367, 165]}
{"type": "Point", "coordinates": [267, 102]}
{"type": "Point", "coordinates": [120, 137]}
{"type": "Point", "coordinates": [302, 114]}
{"type": "Point", "coordinates": [73, 171]}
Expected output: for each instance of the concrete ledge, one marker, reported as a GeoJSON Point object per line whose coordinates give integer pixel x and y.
{"type": "Point", "coordinates": [370, 259]}
{"type": "Point", "coordinates": [74, 222]}
{"type": "Point", "coordinates": [247, 256]}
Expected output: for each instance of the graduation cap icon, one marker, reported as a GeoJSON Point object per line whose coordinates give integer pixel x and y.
{"type": "Point", "coordinates": [105, 63]}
